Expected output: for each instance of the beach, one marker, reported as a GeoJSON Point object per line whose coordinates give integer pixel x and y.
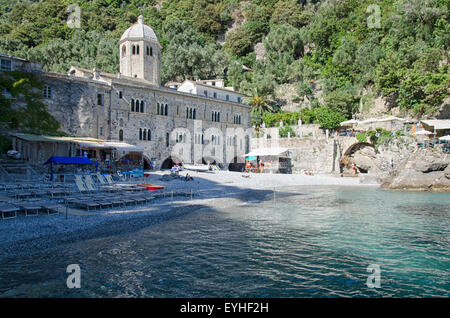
{"type": "Point", "coordinates": [210, 190]}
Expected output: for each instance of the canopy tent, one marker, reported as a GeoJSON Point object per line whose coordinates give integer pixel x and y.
{"type": "Point", "coordinates": [446, 138]}
{"type": "Point", "coordinates": [69, 161]}
{"type": "Point", "coordinates": [277, 151]}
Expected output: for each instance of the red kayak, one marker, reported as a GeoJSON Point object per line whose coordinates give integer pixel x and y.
{"type": "Point", "coordinates": [151, 187]}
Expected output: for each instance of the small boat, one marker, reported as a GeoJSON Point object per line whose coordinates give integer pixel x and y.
{"type": "Point", "coordinates": [151, 187]}
{"type": "Point", "coordinates": [200, 168]}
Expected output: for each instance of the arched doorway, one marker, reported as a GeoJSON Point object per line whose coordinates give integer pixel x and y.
{"type": "Point", "coordinates": [147, 163]}
{"type": "Point", "coordinates": [212, 161]}
{"type": "Point", "coordinates": [236, 166]}
{"type": "Point", "coordinates": [170, 162]}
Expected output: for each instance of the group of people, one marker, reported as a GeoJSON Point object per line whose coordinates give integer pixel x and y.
{"type": "Point", "coordinates": [259, 167]}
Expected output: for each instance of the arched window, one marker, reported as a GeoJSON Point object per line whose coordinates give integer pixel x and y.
{"type": "Point", "coordinates": [121, 122]}
{"type": "Point", "coordinates": [148, 50]}
{"type": "Point", "coordinates": [137, 49]}
{"type": "Point", "coordinates": [166, 110]}
{"type": "Point", "coordinates": [134, 49]}
{"type": "Point", "coordinates": [121, 135]}
{"type": "Point", "coordinates": [190, 113]}
{"type": "Point", "coordinates": [144, 135]}
{"type": "Point", "coordinates": [140, 133]}
{"type": "Point", "coordinates": [149, 135]}
{"type": "Point", "coordinates": [151, 51]}
{"type": "Point", "coordinates": [157, 108]}
{"type": "Point", "coordinates": [124, 50]}
{"type": "Point", "coordinates": [142, 106]}
{"type": "Point", "coordinates": [132, 105]}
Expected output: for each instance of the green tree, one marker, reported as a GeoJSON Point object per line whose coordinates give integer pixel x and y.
{"type": "Point", "coordinates": [328, 118]}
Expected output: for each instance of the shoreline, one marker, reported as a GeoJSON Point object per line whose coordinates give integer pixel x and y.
{"type": "Point", "coordinates": [27, 235]}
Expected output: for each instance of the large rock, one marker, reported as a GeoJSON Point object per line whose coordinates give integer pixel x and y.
{"type": "Point", "coordinates": [424, 170]}
{"type": "Point", "coordinates": [363, 162]}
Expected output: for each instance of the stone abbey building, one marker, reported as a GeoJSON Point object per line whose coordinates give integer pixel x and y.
{"type": "Point", "coordinates": [197, 122]}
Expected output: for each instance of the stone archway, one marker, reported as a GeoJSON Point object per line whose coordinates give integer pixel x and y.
{"type": "Point", "coordinates": [235, 165]}
{"type": "Point", "coordinates": [147, 163]}
{"type": "Point", "coordinates": [363, 163]}
{"type": "Point", "coordinates": [169, 162]}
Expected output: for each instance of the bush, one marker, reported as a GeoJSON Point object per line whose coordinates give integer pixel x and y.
{"type": "Point", "coordinates": [328, 118]}
{"type": "Point", "coordinates": [5, 144]}
{"type": "Point", "coordinates": [362, 137]}
{"type": "Point", "coordinates": [283, 131]}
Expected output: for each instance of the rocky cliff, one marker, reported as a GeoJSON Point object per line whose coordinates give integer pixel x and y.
{"type": "Point", "coordinates": [424, 170]}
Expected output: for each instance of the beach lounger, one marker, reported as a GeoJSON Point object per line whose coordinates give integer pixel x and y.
{"type": "Point", "coordinates": [30, 208]}
{"type": "Point", "coordinates": [128, 201]}
{"type": "Point", "coordinates": [50, 207]}
{"type": "Point", "coordinates": [80, 184]}
{"type": "Point", "coordinates": [9, 211]}
{"type": "Point", "coordinates": [89, 183]}
{"type": "Point", "coordinates": [21, 194]}
{"type": "Point", "coordinates": [39, 193]}
{"type": "Point", "coordinates": [85, 204]}
{"type": "Point", "coordinates": [101, 179]}
{"type": "Point", "coordinates": [109, 179]}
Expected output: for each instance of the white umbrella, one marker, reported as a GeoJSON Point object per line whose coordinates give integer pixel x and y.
{"type": "Point", "coordinates": [349, 122]}
{"type": "Point", "coordinates": [446, 138]}
{"type": "Point", "coordinates": [423, 132]}
{"type": "Point", "coordinates": [370, 120]}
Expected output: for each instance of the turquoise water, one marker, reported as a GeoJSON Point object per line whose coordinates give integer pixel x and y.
{"type": "Point", "coordinates": [307, 242]}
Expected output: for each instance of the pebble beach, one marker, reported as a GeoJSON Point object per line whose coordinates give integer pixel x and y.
{"type": "Point", "coordinates": [210, 190]}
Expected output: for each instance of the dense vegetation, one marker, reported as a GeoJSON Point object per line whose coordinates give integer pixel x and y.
{"type": "Point", "coordinates": [28, 113]}
{"type": "Point", "coordinates": [336, 47]}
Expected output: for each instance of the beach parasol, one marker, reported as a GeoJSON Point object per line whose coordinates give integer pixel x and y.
{"type": "Point", "coordinates": [350, 122]}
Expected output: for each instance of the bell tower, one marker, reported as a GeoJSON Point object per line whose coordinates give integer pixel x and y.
{"type": "Point", "coordinates": [140, 53]}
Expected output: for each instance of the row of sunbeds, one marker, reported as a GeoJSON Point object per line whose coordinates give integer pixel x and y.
{"type": "Point", "coordinates": [107, 200]}
{"type": "Point", "coordinates": [9, 210]}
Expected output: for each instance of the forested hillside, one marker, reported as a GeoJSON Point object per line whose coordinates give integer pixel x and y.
{"type": "Point", "coordinates": [339, 54]}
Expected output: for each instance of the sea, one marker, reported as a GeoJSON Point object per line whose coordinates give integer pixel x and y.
{"type": "Point", "coordinates": [299, 242]}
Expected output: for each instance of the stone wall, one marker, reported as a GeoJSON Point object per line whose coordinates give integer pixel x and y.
{"type": "Point", "coordinates": [318, 155]}
{"type": "Point", "coordinates": [75, 106]}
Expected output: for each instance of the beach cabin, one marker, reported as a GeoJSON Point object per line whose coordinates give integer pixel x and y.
{"type": "Point", "coordinates": [269, 160]}
{"type": "Point", "coordinates": [438, 127]}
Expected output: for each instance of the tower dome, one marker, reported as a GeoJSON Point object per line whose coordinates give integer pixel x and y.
{"type": "Point", "coordinates": [140, 53]}
{"type": "Point", "coordinates": [139, 31]}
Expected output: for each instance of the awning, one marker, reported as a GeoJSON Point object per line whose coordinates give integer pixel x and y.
{"type": "Point", "coordinates": [350, 122]}
{"type": "Point", "coordinates": [423, 132]}
{"type": "Point", "coordinates": [69, 161]}
{"type": "Point", "coordinates": [446, 138]}
{"type": "Point", "coordinates": [250, 158]}
{"type": "Point", "coordinates": [267, 152]}
{"type": "Point", "coordinates": [391, 118]}
{"type": "Point", "coordinates": [438, 124]}
{"type": "Point", "coordinates": [368, 121]}
{"type": "Point", "coordinates": [122, 146]}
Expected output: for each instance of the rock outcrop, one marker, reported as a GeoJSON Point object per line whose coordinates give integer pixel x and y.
{"type": "Point", "coordinates": [424, 170]}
